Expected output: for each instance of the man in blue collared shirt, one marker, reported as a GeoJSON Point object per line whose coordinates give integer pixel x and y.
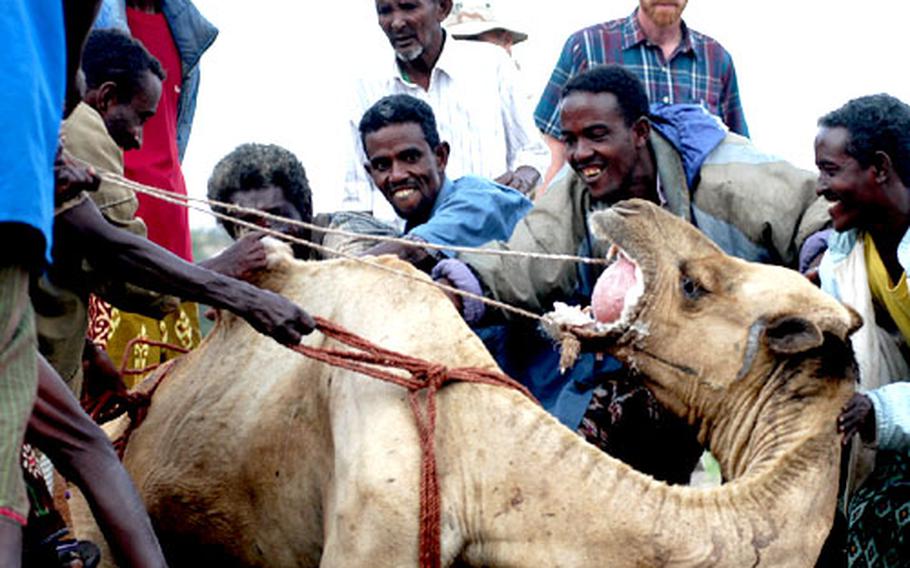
{"type": "Point", "coordinates": [407, 161]}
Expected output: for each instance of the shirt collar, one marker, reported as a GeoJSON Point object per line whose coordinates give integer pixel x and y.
{"type": "Point", "coordinates": [633, 35]}
{"type": "Point", "coordinates": [447, 63]}
{"type": "Point", "coordinates": [444, 191]}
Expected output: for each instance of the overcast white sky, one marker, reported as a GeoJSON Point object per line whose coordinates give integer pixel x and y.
{"type": "Point", "coordinates": [279, 71]}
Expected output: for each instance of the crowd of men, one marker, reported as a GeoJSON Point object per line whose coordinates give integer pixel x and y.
{"type": "Point", "coordinates": [444, 154]}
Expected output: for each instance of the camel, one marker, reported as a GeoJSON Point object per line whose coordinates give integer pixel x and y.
{"type": "Point", "coordinates": [252, 455]}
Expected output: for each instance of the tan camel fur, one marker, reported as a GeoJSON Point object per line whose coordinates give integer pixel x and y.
{"type": "Point", "coordinates": [252, 455]}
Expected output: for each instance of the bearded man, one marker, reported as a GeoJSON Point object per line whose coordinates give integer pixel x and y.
{"type": "Point", "coordinates": [472, 88]}
{"type": "Point", "coordinates": [676, 64]}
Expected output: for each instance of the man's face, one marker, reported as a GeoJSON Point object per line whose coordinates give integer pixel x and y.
{"type": "Point", "coordinates": [125, 119]}
{"type": "Point", "coordinates": [269, 199]}
{"type": "Point", "coordinates": [412, 26]}
{"type": "Point", "coordinates": [663, 12]}
{"type": "Point", "coordinates": [601, 149]}
{"type": "Point", "coordinates": [405, 169]}
{"type": "Point", "coordinates": [855, 195]}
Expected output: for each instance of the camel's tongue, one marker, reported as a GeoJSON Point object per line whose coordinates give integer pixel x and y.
{"type": "Point", "coordinates": [611, 288]}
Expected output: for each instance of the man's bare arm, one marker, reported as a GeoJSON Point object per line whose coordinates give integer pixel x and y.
{"type": "Point", "coordinates": [81, 451]}
{"type": "Point", "coordinates": [124, 255]}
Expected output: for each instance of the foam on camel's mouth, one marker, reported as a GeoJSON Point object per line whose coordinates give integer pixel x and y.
{"type": "Point", "coordinates": [614, 301]}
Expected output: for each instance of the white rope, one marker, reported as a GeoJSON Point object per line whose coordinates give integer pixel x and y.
{"type": "Point", "coordinates": [178, 199]}
{"type": "Point", "coordinates": [140, 188]}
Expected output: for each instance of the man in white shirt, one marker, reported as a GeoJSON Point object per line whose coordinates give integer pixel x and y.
{"type": "Point", "coordinates": [471, 87]}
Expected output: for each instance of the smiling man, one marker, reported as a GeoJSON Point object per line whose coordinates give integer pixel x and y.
{"type": "Point", "coordinates": [752, 205]}
{"type": "Point", "coordinates": [863, 156]}
{"type": "Point", "coordinates": [472, 89]}
{"type": "Point", "coordinates": [407, 161]}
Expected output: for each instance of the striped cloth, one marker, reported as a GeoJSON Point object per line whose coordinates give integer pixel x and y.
{"type": "Point", "coordinates": [18, 386]}
{"type": "Point", "coordinates": [700, 71]}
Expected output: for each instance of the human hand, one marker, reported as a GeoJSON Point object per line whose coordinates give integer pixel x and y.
{"type": "Point", "coordinates": [242, 260]}
{"type": "Point", "coordinates": [524, 179]}
{"type": "Point", "coordinates": [418, 256]}
{"type": "Point", "coordinates": [810, 270]}
{"type": "Point", "coordinates": [857, 416]}
{"type": "Point", "coordinates": [456, 274]}
{"type": "Point", "coordinates": [71, 178]}
{"type": "Point", "coordinates": [812, 276]}
{"type": "Point", "coordinates": [454, 298]}
{"type": "Point", "coordinates": [276, 316]}
{"type": "Point", "coordinates": [103, 389]}
{"type": "Point", "coordinates": [99, 372]}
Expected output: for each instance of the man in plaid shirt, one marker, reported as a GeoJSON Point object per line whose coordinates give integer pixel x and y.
{"type": "Point", "coordinates": [676, 64]}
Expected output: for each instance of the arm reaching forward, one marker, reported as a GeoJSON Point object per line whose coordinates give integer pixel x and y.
{"type": "Point", "coordinates": [118, 252]}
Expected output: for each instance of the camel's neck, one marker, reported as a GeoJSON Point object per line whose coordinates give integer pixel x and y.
{"type": "Point", "coordinates": [768, 421]}
{"type": "Point", "coordinates": [547, 498]}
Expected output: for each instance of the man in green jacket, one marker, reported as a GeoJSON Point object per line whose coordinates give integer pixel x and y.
{"type": "Point", "coordinates": [752, 205]}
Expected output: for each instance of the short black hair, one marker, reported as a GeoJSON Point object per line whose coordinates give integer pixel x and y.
{"type": "Point", "coordinates": [400, 109]}
{"type": "Point", "coordinates": [623, 84]}
{"type": "Point", "coordinates": [875, 123]}
{"type": "Point", "coordinates": [255, 166]}
{"type": "Point", "coordinates": [112, 55]}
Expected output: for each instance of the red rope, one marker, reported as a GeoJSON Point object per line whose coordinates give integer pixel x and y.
{"type": "Point", "coordinates": [423, 375]}
{"type": "Point", "coordinates": [366, 358]}
{"type": "Point", "coordinates": [112, 404]}
{"type": "Point", "coordinates": [124, 362]}
{"type": "Point", "coordinates": [136, 406]}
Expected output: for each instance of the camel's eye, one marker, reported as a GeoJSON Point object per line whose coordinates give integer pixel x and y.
{"type": "Point", "coordinates": [691, 288]}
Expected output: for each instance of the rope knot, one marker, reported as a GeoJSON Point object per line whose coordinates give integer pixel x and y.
{"type": "Point", "coordinates": [434, 376]}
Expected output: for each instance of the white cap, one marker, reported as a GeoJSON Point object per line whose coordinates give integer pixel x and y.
{"type": "Point", "coordinates": [467, 22]}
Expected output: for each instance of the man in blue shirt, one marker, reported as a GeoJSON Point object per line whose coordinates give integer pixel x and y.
{"type": "Point", "coordinates": [33, 72]}
{"type": "Point", "coordinates": [407, 162]}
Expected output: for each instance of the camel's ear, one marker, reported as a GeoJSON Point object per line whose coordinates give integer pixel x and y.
{"type": "Point", "coordinates": [792, 334]}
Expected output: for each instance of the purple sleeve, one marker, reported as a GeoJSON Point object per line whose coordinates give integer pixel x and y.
{"type": "Point", "coordinates": [462, 278]}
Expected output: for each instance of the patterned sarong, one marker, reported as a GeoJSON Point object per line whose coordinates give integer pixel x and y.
{"type": "Point", "coordinates": [112, 330]}
{"type": "Point", "coordinates": [878, 532]}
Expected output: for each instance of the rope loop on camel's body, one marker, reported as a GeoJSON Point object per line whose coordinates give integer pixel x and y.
{"type": "Point", "coordinates": [424, 375]}
{"type": "Point", "coordinates": [135, 405]}
{"type": "Point", "coordinates": [365, 358]}
{"type": "Point", "coordinates": [111, 404]}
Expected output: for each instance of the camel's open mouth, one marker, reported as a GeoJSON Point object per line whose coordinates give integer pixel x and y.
{"type": "Point", "coordinates": [618, 290]}
{"type": "Point", "coordinates": [615, 303]}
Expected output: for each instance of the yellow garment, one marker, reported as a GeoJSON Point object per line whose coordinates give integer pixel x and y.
{"type": "Point", "coordinates": [894, 298]}
{"type": "Point", "coordinates": [112, 330]}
